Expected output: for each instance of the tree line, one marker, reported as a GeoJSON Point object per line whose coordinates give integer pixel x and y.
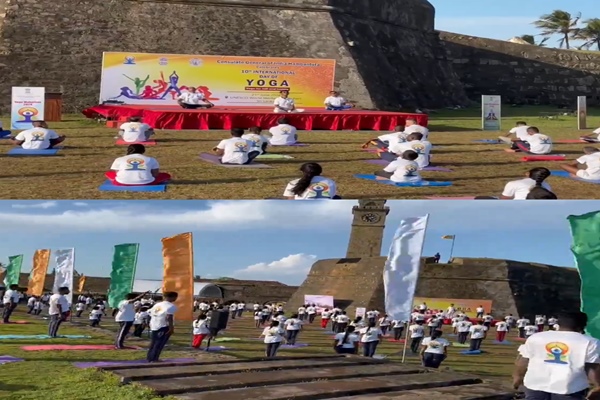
{"type": "Point", "coordinates": [569, 28]}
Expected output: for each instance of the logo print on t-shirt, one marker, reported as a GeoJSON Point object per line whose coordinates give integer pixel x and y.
{"type": "Point", "coordinates": [241, 147]}
{"type": "Point", "coordinates": [435, 344]}
{"type": "Point", "coordinates": [37, 137]}
{"type": "Point", "coordinates": [418, 148]}
{"type": "Point", "coordinates": [557, 353]}
{"type": "Point", "coordinates": [411, 170]}
{"type": "Point", "coordinates": [319, 191]}
{"type": "Point", "coordinates": [545, 140]}
{"type": "Point", "coordinates": [136, 164]}
{"type": "Point", "coordinates": [285, 131]}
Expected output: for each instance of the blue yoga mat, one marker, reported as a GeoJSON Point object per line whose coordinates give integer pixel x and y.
{"type": "Point", "coordinates": [4, 134]}
{"type": "Point", "coordinates": [108, 186]}
{"type": "Point", "coordinates": [19, 151]}
{"type": "Point", "coordinates": [17, 337]}
{"type": "Point", "coordinates": [471, 352]}
{"type": "Point", "coordinates": [403, 184]}
{"type": "Point", "coordinates": [488, 141]}
{"type": "Point", "coordinates": [565, 174]}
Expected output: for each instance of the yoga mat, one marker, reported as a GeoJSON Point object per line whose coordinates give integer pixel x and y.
{"type": "Point", "coordinates": [108, 186]}
{"type": "Point", "coordinates": [20, 322]}
{"type": "Point", "coordinates": [16, 337]}
{"type": "Point", "coordinates": [403, 184]}
{"type": "Point", "coordinates": [569, 141]}
{"type": "Point", "coordinates": [121, 142]}
{"type": "Point", "coordinates": [216, 348]}
{"type": "Point", "coordinates": [19, 151]}
{"type": "Point", "coordinates": [505, 342]}
{"type": "Point", "coordinates": [471, 352]}
{"type": "Point", "coordinates": [460, 345]}
{"type": "Point", "coordinates": [558, 157]}
{"type": "Point", "coordinates": [451, 198]}
{"type": "Point", "coordinates": [216, 160]}
{"type": "Point", "coordinates": [101, 364]}
{"type": "Point", "coordinates": [9, 359]}
{"type": "Point", "coordinates": [396, 341]}
{"type": "Point", "coordinates": [51, 347]}
{"type": "Point", "coordinates": [565, 174]}
{"type": "Point", "coordinates": [293, 346]}
{"type": "Point", "coordinates": [488, 141]}
{"type": "Point", "coordinates": [270, 156]}
{"type": "Point", "coordinates": [431, 169]}
{"type": "Point", "coordinates": [4, 134]}
{"type": "Point", "coordinates": [291, 145]}
{"type": "Point", "coordinates": [227, 339]}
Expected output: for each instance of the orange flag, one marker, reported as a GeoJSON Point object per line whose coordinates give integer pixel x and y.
{"type": "Point", "coordinates": [81, 284]}
{"type": "Point", "coordinates": [37, 278]}
{"type": "Point", "coordinates": [178, 273]}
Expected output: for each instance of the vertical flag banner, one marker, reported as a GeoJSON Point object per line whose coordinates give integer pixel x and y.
{"type": "Point", "coordinates": [123, 272]}
{"type": "Point", "coordinates": [401, 271]}
{"type": "Point", "coordinates": [81, 285]}
{"type": "Point", "coordinates": [63, 273]}
{"type": "Point", "coordinates": [13, 270]}
{"type": "Point", "coordinates": [178, 273]}
{"type": "Point", "coordinates": [582, 112]}
{"type": "Point", "coordinates": [585, 230]}
{"type": "Point", "coordinates": [491, 113]}
{"type": "Point", "coordinates": [37, 278]}
{"type": "Point", "coordinates": [27, 106]}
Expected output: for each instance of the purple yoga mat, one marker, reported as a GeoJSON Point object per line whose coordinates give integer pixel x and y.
{"type": "Point", "coordinates": [216, 348]}
{"type": "Point", "coordinates": [100, 364]}
{"type": "Point", "coordinates": [216, 160]}
{"type": "Point", "coordinates": [291, 145]}
{"type": "Point", "coordinates": [9, 359]}
{"type": "Point", "coordinates": [293, 346]}
{"type": "Point", "coordinates": [431, 169]}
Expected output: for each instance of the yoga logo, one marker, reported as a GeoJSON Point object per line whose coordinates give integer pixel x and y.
{"type": "Point", "coordinates": [163, 61]}
{"type": "Point", "coordinates": [27, 114]}
{"type": "Point", "coordinates": [196, 62]}
{"type": "Point", "coordinates": [319, 191]}
{"type": "Point", "coordinates": [557, 353]}
{"type": "Point", "coordinates": [411, 170]}
{"type": "Point", "coordinates": [136, 164]}
{"type": "Point", "coordinates": [419, 148]}
{"type": "Point", "coordinates": [285, 130]}
{"type": "Point", "coordinates": [37, 136]}
{"type": "Point", "coordinates": [129, 60]}
{"type": "Point", "coordinates": [545, 140]}
{"type": "Point", "coordinates": [435, 344]}
{"type": "Point", "coordinates": [241, 147]}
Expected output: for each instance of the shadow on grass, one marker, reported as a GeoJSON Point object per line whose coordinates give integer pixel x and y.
{"type": "Point", "coordinates": [213, 181]}
{"type": "Point", "coordinates": [13, 388]}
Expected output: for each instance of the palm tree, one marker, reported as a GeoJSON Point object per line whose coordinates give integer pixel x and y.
{"type": "Point", "coordinates": [531, 40]}
{"type": "Point", "coordinates": [561, 23]}
{"type": "Point", "coordinates": [589, 34]}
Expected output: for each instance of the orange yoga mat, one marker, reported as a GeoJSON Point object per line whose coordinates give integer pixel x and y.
{"type": "Point", "coordinates": [49, 347]}
{"type": "Point", "coordinates": [20, 322]}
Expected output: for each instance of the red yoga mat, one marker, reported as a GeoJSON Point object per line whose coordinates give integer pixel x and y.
{"type": "Point", "coordinates": [543, 158]}
{"type": "Point", "coordinates": [396, 341]}
{"type": "Point", "coordinates": [121, 142]}
{"type": "Point", "coordinates": [49, 347]}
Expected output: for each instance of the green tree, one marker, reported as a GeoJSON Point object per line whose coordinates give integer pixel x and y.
{"type": "Point", "coordinates": [531, 40]}
{"type": "Point", "coordinates": [561, 23]}
{"type": "Point", "coordinates": [589, 34]}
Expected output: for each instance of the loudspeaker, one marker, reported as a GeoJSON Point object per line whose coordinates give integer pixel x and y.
{"type": "Point", "coordinates": [218, 320]}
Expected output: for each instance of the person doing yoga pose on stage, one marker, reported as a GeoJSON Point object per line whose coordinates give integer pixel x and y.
{"type": "Point", "coordinates": [335, 102]}
{"type": "Point", "coordinates": [193, 100]}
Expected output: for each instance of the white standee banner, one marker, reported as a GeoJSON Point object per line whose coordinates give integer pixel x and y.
{"type": "Point", "coordinates": [401, 271]}
{"type": "Point", "coordinates": [360, 312]}
{"type": "Point", "coordinates": [27, 106]}
{"type": "Point", "coordinates": [491, 113]}
{"type": "Point", "coordinates": [582, 113]}
{"type": "Point", "coordinates": [63, 273]}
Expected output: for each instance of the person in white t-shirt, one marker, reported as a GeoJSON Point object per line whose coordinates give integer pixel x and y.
{"type": "Point", "coordinates": [162, 325]}
{"type": "Point", "coordinates": [519, 132]}
{"type": "Point", "coordinates": [285, 104]}
{"type": "Point", "coordinates": [58, 310]}
{"type": "Point", "coordinates": [477, 332]}
{"type": "Point", "coordinates": [140, 322]}
{"type": "Point", "coordinates": [535, 143]}
{"type": "Point", "coordinates": [384, 324]}
{"type": "Point", "coordinates": [520, 189]}
{"type": "Point", "coordinates": [136, 169]}
{"type": "Point", "coordinates": [434, 350]}
{"type": "Point", "coordinates": [95, 316]}
{"type": "Point", "coordinates": [259, 142]}
{"type": "Point", "coordinates": [312, 186]}
{"type": "Point", "coordinates": [487, 320]}
{"type": "Point", "coordinates": [134, 131]}
{"type": "Point", "coordinates": [560, 364]}
{"type": "Point", "coordinates": [540, 321]}
{"type": "Point", "coordinates": [412, 126]}
{"type": "Point", "coordinates": [398, 329]}
{"type": "Point", "coordinates": [326, 316]}
{"type": "Point", "coordinates": [530, 330]}
{"type": "Point", "coordinates": [414, 142]}
{"type": "Point", "coordinates": [346, 342]}
{"type": "Point", "coordinates": [10, 302]}
{"type": "Point", "coordinates": [125, 317]}
{"type": "Point", "coordinates": [341, 322]}
{"type": "Point", "coordinates": [402, 169]}
{"type": "Point", "coordinates": [38, 138]}
{"type": "Point", "coordinates": [302, 312]}
{"type": "Point", "coordinates": [387, 140]}
{"type": "Point", "coordinates": [590, 160]}
{"type": "Point", "coordinates": [30, 304]}
{"type": "Point", "coordinates": [192, 99]}
{"type": "Point", "coordinates": [370, 337]}
{"type": "Point", "coordinates": [79, 308]}
{"type": "Point", "coordinates": [335, 102]}
{"type": "Point", "coordinates": [462, 329]}
{"type": "Point", "coordinates": [200, 330]}
{"type": "Point", "coordinates": [501, 331]}
{"type": "Point", "coordinates": [593, 138]}
{"type": "Point", "coordinates": [417, 333]}
{"type": "Point", "coordinates": [552, 321]}
{"type": "Point", "coordinates": [480, 311]}
{"type": "Point", "coordinates": [311, 310]}
{"type": "Point", "coordinates": [236, 150]}
{"type": "Point", "coordinates": [273, 338]}
{"type": "Point", "coordinates": [521, 324]}
{"type": "Point", "coordinates": [283, 134]}
{"type": "Point", "coordinates": [292, 326]}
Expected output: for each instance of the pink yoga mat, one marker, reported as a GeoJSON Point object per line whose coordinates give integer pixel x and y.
{"type": "Point", "coordinates": [544, 158]}
{"type": "Point", "coordinates": [451, 198]}
{"type": "Point", "coordinates": [47, 347]}
{"type": "Point", "coordinates": [121, 142]}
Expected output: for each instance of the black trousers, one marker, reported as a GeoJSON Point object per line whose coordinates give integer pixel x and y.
{"type": "Point", "coordinates": [537, 395]}
{"type": "Point", "coordinates": [158, 341]}
{"type": "Point", "coordinates": [311, 318]}
{"type": "Point", "coordinates": [79, 312]}
{"type": "Point", "coordinates": [195, 106]}
{"type": "Point", "coordinates": [341, 327]}
{"type": "Point", "coordinates": [124, 328]}
{"type": "Point", "coordinates": [94, 322]}
{"type": "Point", "coordinates": [522, 333]}
{"type": "Point", "coordinates": [342, 350]}
{"type": "Point", "coordinates": [415, 343]}
{"type": "Point", "coordinates": [138, 329]}
{"type": "Point", "coordinates": [398, 333]}
{"type": "Point", "coordinates": [291, 336]}
{"type": "Point", "coordinates": [251, 156]}
{"type": "Point", "coordinates": [431, 360]}
{"type": "Point", "coordinates": [271, 350]}
{"type": "Point", "coordinates": [7, 312]}
{"type": "Point", "coordinates": [462, 337]}
{"type": "Point", "coordinates": [55, 321]}
{"type": "Point", "coordinates": [475, 344]}
{"type": "Point", "coordinates": [384, 329]}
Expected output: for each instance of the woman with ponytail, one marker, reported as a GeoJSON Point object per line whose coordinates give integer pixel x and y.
{"type": "Point", "coordinates": [136, 169]}
{"type": "Point", "coordinates": [312, 186]}
{"type": "Point", "coordinates": [370, 337]}
{"type": "Point", "coordinates": [534, 182]}
{"type": "Point", "coordinates": [346, 342]}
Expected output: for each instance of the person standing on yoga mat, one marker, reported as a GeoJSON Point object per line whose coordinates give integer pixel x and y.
{"type": "Point", "coordinates": [162, 325]}
{"type": "Point", "coordinates": [135, 131]}
{"type": "Point", "coordinates": [273, 335]}
{"type": "Point", "coordinates": [534, 143]}
{"type": "Point", "coordinates": [58, 310]}
{"type": "Point", "coordinates": [10, 301]}
{"type": "Point", "coordinates": [346, 342]}
{"type": "Point", "coordinates": [519, 131]}
{"type": "Point", "coordinates": [125, 317]}
{"type": "Point", "coordinates": [236, 150]}
{"type": "Point", "coordinates": [414, 142]}
{"type": "Point", "coordinates": [520, 189]}
{"type": "Point", "coordinates": [193, 100]}
{"type": "Point", "coordinates": [402, 169]}
{"type": "Point", "coordinates": [590, 160]}
{"type": "Point", "coordinates": [38, 138]}
{"type": "Point", "coordinates": [384, 142]}
{"type": "Point", "coordinates": [434, 350]}
{"type": "Point", "coordinates": [417, 333]}
{"type": "Point", "coordinates": [283, 134]}
{"type": "Point", "coordinates": [478, 333]}
{"type": "Point", "coordinates": [462, 329]}
{"type": "Point", "coordinates": [560, 365]}
{"type": "Point", "coordinates": [501, 331]}
{"type": "Point", "coordinates": [311, 186]}
{"type": "Point", "coordinates": [136, 169]}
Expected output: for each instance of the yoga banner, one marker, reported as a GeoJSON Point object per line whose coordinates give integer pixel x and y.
{"type": "Point", "coordinates": [585, 230]}
{"type": "Point", "coordinates": [13, 270]}
{"type": "Point", "coordinates": [81, 285]}
{"type": "Point", "coordinates": [401, 270]}
{"type": "Point", "coordinates": [27, 106]}
{"type": "Point", "coordinates": [178, 273]}
{"type": "Point", "coordinates": [37, 277]}
{"type": "Point", "coordinates": [360, 312]}
{"type": "Point", "coordinates": [320, 301]}
{"type": "Point", "coordinates": [582, 112]}
{"type": "Point", "coordinates": [157, 79]}
{"type": "Point", "coordinates": [491, 113]}
{"type": "Point", "coordinates": [465, 306]}
{"type": "Point", "coordinates": [63, 273]}
{"type": "Point", "coordinates": [122, 275]}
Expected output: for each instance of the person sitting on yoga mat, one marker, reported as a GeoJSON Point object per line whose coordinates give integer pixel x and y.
{"type": "Point", "coordinates": [414, 142]}
{"type": "Point", "coordinates": [38, 138]}
{"type": "Point", "coordinates": [534, 143]}
{"type": "Point", "coordinates": [284, 104]}
{"type": "Point", "coordinates": [519, 189]}
{"type": "Point", "coordinates": [402, 169]}
{"type": "Point", "coordinates": [335, 102]}
{"type": "Point", "coordinates": [136, 169]}
{"type": "Point", "coordinates": [193, 99]}
{"type": "Point", "coordinates": [384, 142]}
{"type": "Point", "coordinates": [412, 126]}
{"type": "Point", "coordinates": [593, 138]}
{"type": "Point", "coordinates": [260, 143]}
{"type": "Point", "coordinates": [434, 349]}
{"type": "Point", "coordinates": [590, 160]}
{"type": "Point", "coordinates": [283, 134]}
{"type": "Point", "coordinates": [236, 150]}
{"type": "Point", "coordinates": [519, 131]}
{"type": "Point", "coordinates": [312, 186]}
{"type": "Point", "coordinates": [135, 131]}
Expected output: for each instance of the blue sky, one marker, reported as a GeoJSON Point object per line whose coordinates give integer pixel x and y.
{"type": "Point", "coordinates": [504, 19]}
{"type": "Point", "coordinates": [277, 240]}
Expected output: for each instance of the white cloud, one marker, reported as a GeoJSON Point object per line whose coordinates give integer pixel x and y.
{"type": "Point", "coordinates": [80, 204]}
{"type": "Point", "coordinates": [294, 265]}
{"type": "Point", "coordinates": [29, 204]}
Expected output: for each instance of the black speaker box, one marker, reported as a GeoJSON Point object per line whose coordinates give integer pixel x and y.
{"type": "Point", "coordinates": [218, 320]}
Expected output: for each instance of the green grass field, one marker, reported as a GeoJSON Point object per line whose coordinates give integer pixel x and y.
{"type": "Point", "coordinates": [479, 169]}
{"type": "Point", "coordinates": [51, 375]}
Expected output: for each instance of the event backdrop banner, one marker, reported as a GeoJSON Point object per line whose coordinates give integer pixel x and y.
{"type": "Point", "coordinates": [37, 277]}
{"type": "Point", "coordinates": [321, 302]}
{"type": "Point", "coordinates": [466, 306]}
{"type": "Point", "coordinates": [491, 113]}
{"type": "Point", "coordinates": [27, 106]}
{"type": "Point", "coordinates": [157, 79]}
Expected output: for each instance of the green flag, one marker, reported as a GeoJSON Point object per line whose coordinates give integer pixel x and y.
{"type": "Point", "coordinates": [13, 270]}
{"type": "Point", "coordinates": [123, 273]}
{"type": "Point", "coordinates": [585, 230]}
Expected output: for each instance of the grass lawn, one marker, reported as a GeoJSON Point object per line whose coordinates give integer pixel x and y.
{"type": "Point", "coordinates": [50, 375]}
{"type": "Point", "coordinates": [479, 169]}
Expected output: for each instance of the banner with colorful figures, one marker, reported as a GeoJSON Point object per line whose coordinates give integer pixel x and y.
{"type": "Point", "coordinates": [158, 79]}
{"type": "Point", "coordinates": [27, 106]}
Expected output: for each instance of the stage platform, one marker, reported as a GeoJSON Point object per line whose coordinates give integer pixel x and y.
{"type": "Point", "coordinates": [176, 118]}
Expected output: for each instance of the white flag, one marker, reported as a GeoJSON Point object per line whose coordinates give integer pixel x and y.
{"type": "Point", "coordinates": [63, 273]}
{"type": "Point", "coordinates": [401, 271]}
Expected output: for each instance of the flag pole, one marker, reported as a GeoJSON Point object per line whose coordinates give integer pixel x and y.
{"type": "Point", "coordinates": [407, 325]}
{"type": "Point", "coordinates": [452, 248]}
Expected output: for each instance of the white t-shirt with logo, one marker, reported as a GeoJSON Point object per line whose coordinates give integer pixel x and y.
{"type": "Point", "coordinates": [335, 101]}
{"type": "Point", "coordinates": [522, 323]}
{"type": "Point", "coordinates": [158, 315]}
{"type": "Point", "coordinates": [477, 331]}
{"type": "Point", "coordinates": [422, 148]}
{"type": "Point", "coordinates": [95, 315]}
{"type": "Point", "coordinates": [200, 327]}
{"type": "Point", "coordinates": [293, 324]}
{"type": "Point", "coordinates": [487, 318]}
{"type": "Point", "coordinates": [520, 132]}
{"type": "Point", "coordinates": [36, 138]}
{"type": "Point", "coordinates": [501, 326]}
{"type": "Point", "coordinates": [134, 132]}
{"type": "Point", "coordinates": [368, 335]}
{"type": "Point", "coordinates": [539, 144]}
{"type": "Point", "coordinates": [235, 150]}
{"type": "Point", "coordinates": [283, 135]}
{"type": "Point", "coordinates": [311, 310]}
{"type": "Point", "coordinates": [435, 346]}
{"type": "Point", "coordinates": [530, 330]}
{"type": "Point", "coordinates": [416, 331]}
{"type": "Point", "coordinates": [134, 169]}
{"type": "Point", "coordinates": [126, 312]}
{"type": "Point", "coordinates": [320, 188]}
{"type": "Point", "coordinates": [403, 171]}
{"type": "Point", "coordinates": [540, 320]}
{"type": "Point", "coordinates": [519, 190]}
{"type": "Point", "coordinates": [592, 162]}
{"type": "Point", "coordinates": [11, 296]}
{"type": "Point", "coordinates": [417, 129]}
{"type": "Point", "coordinates": [287, 104]}
{"type": "Point", "coordinates": [342, 319]}
{"type": "Point", "coordinates": [55, 301]}
{"type": "Point", "coordinates": [393, 138]}
{"type": "Point", "coordinates": [350, 340]}
{"type": "Point", "coordinates": [191, 98]}
{"type": "Point", "coordinates": [273, 335]}
{"type": "Point", "coordinates": [464, 326]}
{"type": "Point", "coordinates": [256, 140]}
{"type": "Point", "coordinates": [557, 361]}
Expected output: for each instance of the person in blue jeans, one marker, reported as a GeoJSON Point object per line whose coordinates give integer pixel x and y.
{"type": "Point", "coordinates": [370, 337]}
{"type": "Point", "coordinates": [346, 342]}
{"type": "Point", "coordinates": [162, 325]}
